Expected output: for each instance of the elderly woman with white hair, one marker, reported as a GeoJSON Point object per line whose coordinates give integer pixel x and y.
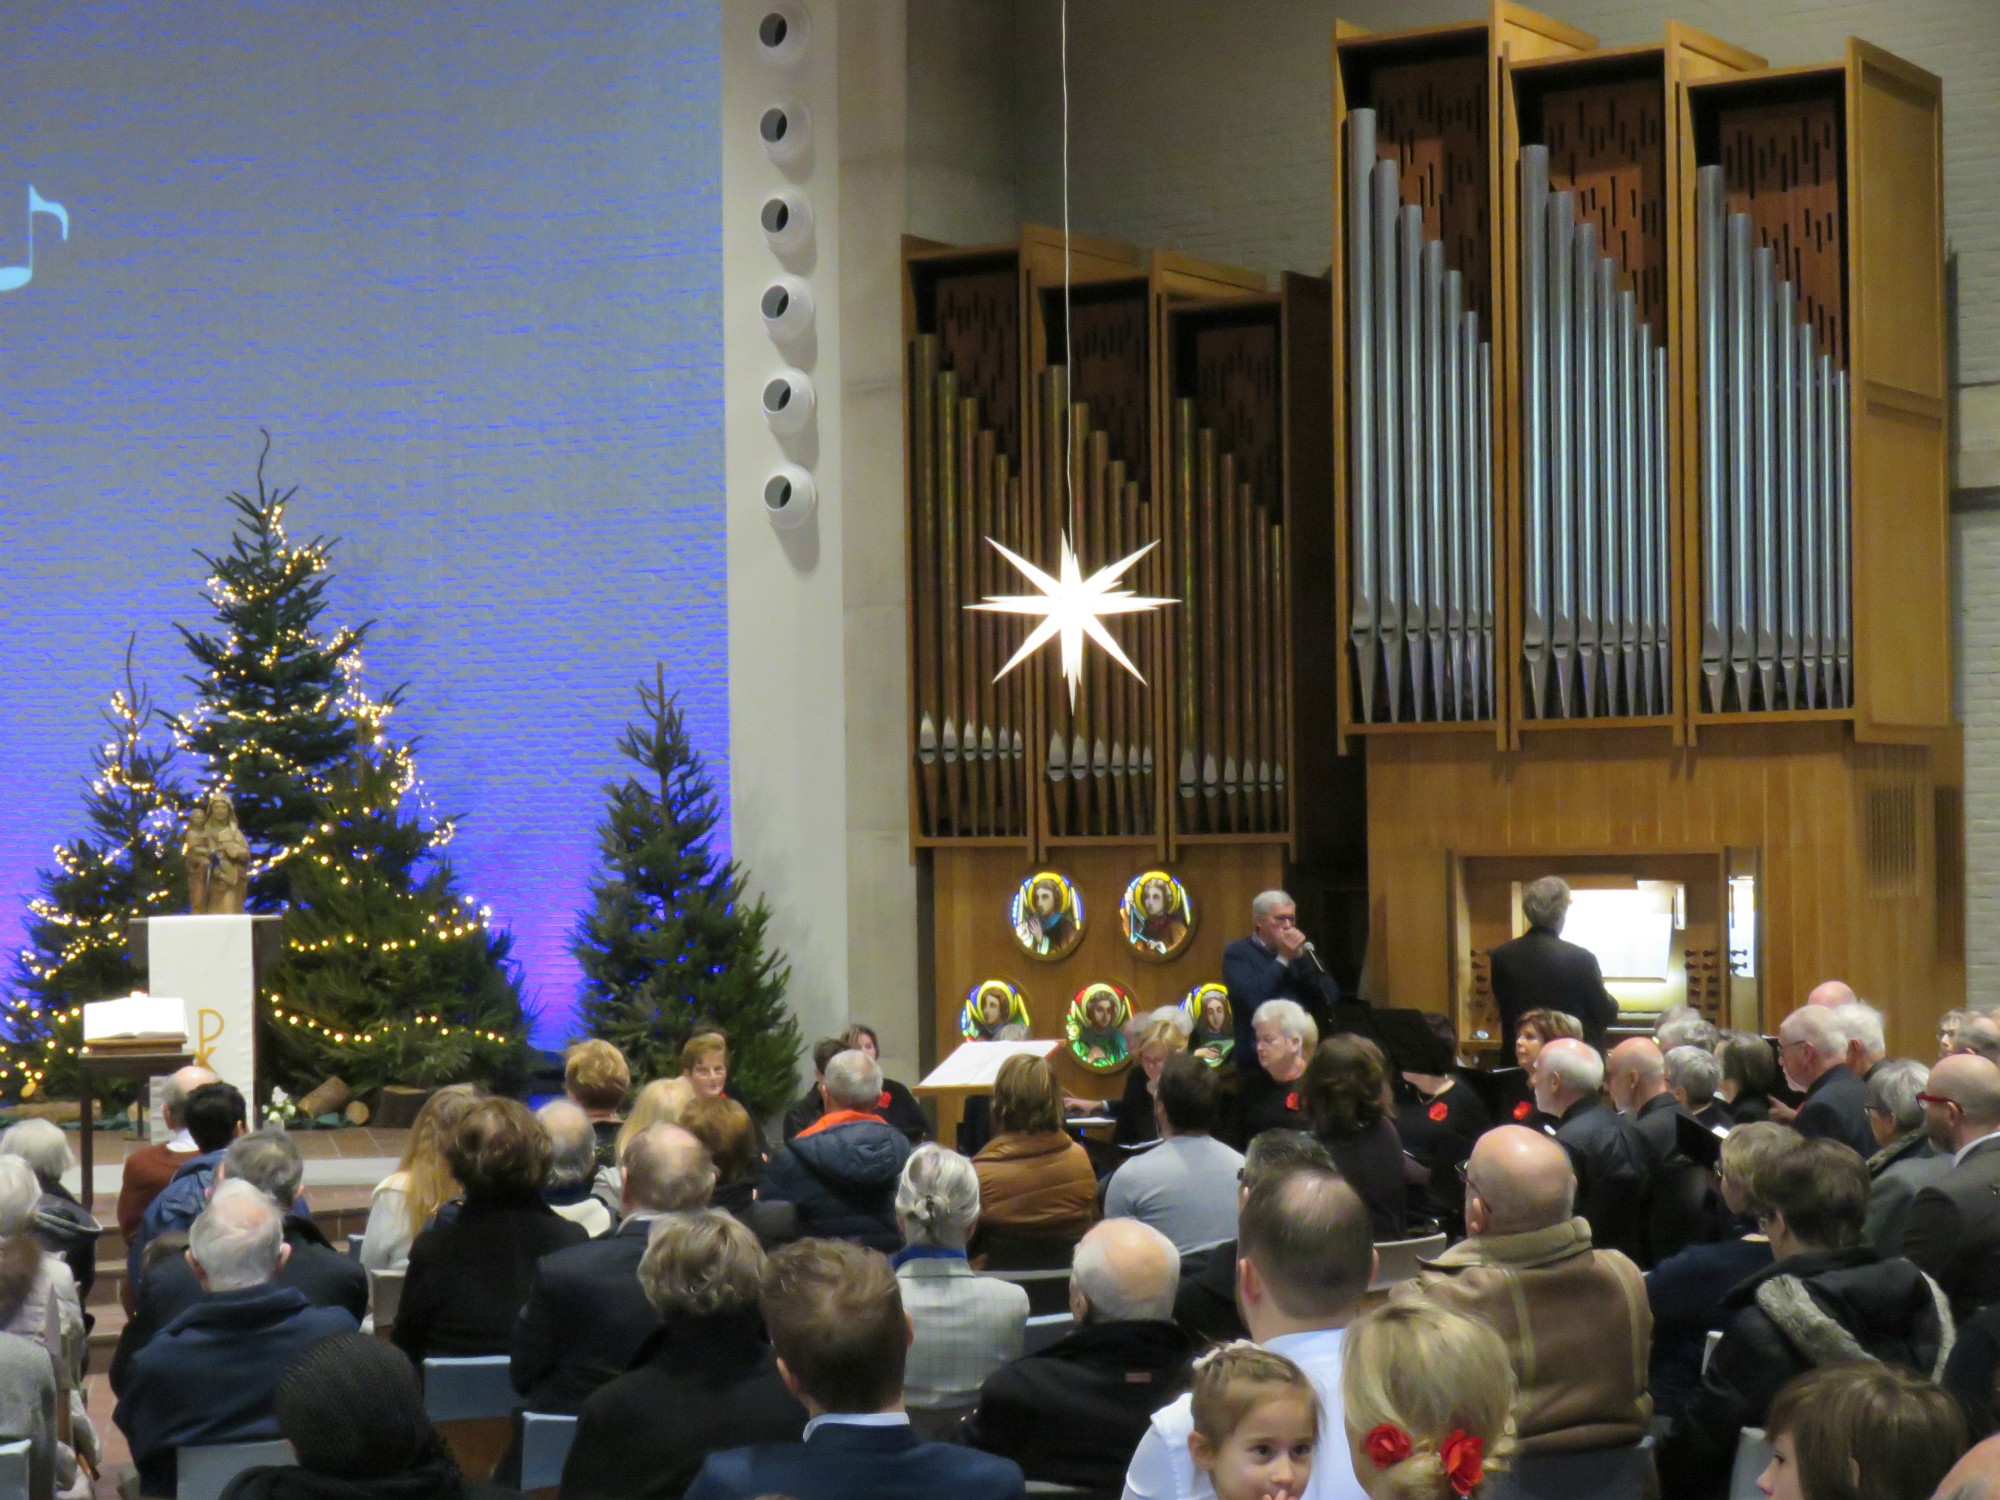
{"type": "Point", "coordinates": [50, 1311]}
{"type": "Point", "coordinates": [963, 1326]}
{"type": "Point", "coordinates": [64, 1226]}
{"type": "Point", "coordinates": [1268, 1095]}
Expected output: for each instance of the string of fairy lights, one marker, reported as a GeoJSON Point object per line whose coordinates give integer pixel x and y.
{"type": "Point", "coordinates": [105, 932]}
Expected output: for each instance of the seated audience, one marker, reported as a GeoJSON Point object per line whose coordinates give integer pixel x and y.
{"type": "Point", "coordinates": [1342, 1096]}
{"type": "Point", "coordinates": [64, 1226]}
{"type": "Point", "coordinates": [1163, 1035]}
{"type": "Point", "coordinates": [841, 1171]}
{"type": "Point", "coordinates": [1427, 1396]}
{"type": "Point", "coordinates": [1268, 1095]}
{"type": "Point", "coordinates": [1861, 1431]}
{"type": "Point", "coordinates": [1035, 1182]}
{"type": "Point", "coordinates": [661, 1102]}
{"type": "Point", "coordinates": [1953, 1228]}
{"type": "Point", "coordinates": [586, 1315]}
{"type": "Point", "coordinates": [215, 1117]}
{"type": "Point", "coordinates": [1255, 1420]}
{"type": "Point", "coordinates": [49, 1311]}
{"type": "Point", "coordinates": [1685, 1290]}
{"type": "Point", "coordinates": [469, 1275]}
{"type": "Point", "coordinates": [1693, 1076]}
{"type": "Point", "coordinates": [410, 1197]}
{"type": "Point", "coordinates": [568, 1188]}
{"type": "Point", "coordinates": [1749, 1074]}
{"type": "Point", "coordinates": [209, 1375]}
{"type": "Point", "coordinates": [1439, 1117]}
{"type": "Point", "coordinates": [705, 1379]}
{"type": "Point", "coordinates": [1826, 1298]}
{"type": "Point", "coordinates": [963, 1327]}
{"type": "Point", "coordinates": [812, 1104]}
{"type": "Point", "coordinates": [1604, 1147]}
{"type": "Point", "coordinates": [899, 1105]}
{"type": "Point", "coordinates": [835, 1315]}
{"type": "Point", "coordinates": [269, 1162]}
{"type": "Point", "coordinates": [1304, 1262]}
{"type": "Point", "coordinates": [352, 1408]}
{"type": "Point", "coordinates": [151, 1167]}
{"type": "Point", "coordinates": [1185, 1187]}
{"type": "Point", "coordinates": [596, 1079]}
{"type": "Point", "coordinates": [1684, 1026]}
{"type": "Point", "coordinates": [1906, 1161]}
{"type": "Point", "coordinates": [1573, 1317]}
{"type": "Point", "coordinates": [1812, 1045]}
{"type": "Point", "coordinates": [1205, 1306]}
{"type": "Point", "coordinates": [1074, 1413]}
{"type": "Point", "coordinates": [1867, 1049]}
{"type": "Point", "coordinates": [724, 1129]}
{"type": "Point", "coordinates": [28, 1395]}
{"type": "Point", "coordinates": [1537, 1029]}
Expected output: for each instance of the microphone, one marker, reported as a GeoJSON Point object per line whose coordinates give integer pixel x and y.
{"type": "Point", "coordinates": [1312, 953]}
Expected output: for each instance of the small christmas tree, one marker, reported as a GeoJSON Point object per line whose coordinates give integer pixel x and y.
{"type": "Point", "coordinates": [668, 945]}
{"type": "Point", "coordinates": [390, 975]}
{"type": "Point", "coordinates": [128, 865]}
{"type": "Point", "coordinates": [280, 708]}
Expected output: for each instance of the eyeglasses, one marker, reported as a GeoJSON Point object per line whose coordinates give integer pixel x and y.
{"type": "Point", "coordinates": [1940, 1099]}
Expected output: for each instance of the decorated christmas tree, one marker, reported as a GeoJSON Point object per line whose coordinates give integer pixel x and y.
{"type": "Point", "coordinates": [669, 946]}
{"type": "Point", "coordinates": [127, 865]}
{"type": "Point", "coordinates": [390, 975]}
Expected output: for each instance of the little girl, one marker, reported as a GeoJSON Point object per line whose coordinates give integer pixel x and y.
{"type": "Point", "coordinates": [1256, 1419]}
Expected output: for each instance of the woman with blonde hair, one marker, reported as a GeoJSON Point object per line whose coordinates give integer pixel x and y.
{"type": "Point", "coordinates": [1428, 1397]}
{"type": "Point", "coordinates": [1161, 1035]}
{"type": "Point", "coordinates": [660, 1102]}
{"type": "Point", "coordinates": [409, 1197]}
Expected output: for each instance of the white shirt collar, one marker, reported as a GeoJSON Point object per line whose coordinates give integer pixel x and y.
{"type": "Point", "coordinates": [855, 1419]}
{"type": "Point", "coordinates": [1960, 1154]}
{"type": "Point", "coordinates": [181, 1140]}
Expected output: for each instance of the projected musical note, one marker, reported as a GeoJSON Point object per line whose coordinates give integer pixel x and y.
{"type": "Point", "coordinates": [12, 278]}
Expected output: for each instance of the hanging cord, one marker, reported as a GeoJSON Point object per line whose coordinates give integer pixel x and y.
{"type": "Point", "coordinates": [1069, 353]}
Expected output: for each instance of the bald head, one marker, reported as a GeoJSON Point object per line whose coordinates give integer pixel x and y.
{"type": "Point", "coordinates": [1832, 992]}
{"type": "Point", "coordinates": [1971, 1084]}
{"type": "Point", "coordinates": [666, 1170]}
{"type": "Point", "coordinates": [1981, 1037]}
{"type": "Point", "coordinates": [1976, 1476]}
{"type": "Point", "coordinates": [1124, 1272]}
{"type": "Point", "coordinates": [1519, 1179]}
{"type": "Point", "coordinates": [1637, 1073]}
{"type": "Point", "coordinates": [173, 1102]}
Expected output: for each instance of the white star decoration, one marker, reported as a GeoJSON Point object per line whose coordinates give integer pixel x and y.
{"type": "Point", "coordinates": [1071, 606]}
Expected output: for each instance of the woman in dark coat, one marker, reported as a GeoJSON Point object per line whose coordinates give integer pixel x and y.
{"type": "Point", "coordinates": [1342, 1094]}
{"type": "Point", "coordinates": [469, 1274]}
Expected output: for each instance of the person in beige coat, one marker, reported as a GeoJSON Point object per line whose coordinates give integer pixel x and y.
{"type": "Point", "coordinates": [1573, 1317]}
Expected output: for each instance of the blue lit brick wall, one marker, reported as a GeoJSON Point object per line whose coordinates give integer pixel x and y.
{"type": "Point", "coordinates": [463, 260]}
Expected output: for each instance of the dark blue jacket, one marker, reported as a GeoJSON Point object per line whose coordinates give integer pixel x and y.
{"type": "Point", "coordinates": [209, 1375]}
{"type": "Point", "coordinates": [842, 1181]}
{"type": "Point", "coordinates": [1686, 1292]}
{"type": "Point", "coordinates": [1253, 974]}
{"type": "Point", "coordinates": [1835, 1109]}
{"type": "Point", "coordinates": [841, 1462]}
{"type": "Point", "coordinates": [180, 1203]}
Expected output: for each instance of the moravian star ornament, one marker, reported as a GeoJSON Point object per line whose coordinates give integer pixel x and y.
{"type": "Point", "coordinates": [1072, 607]}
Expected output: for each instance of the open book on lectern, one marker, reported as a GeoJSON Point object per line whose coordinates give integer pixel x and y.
{"type": "Point", "coordinates": [974, 1065]}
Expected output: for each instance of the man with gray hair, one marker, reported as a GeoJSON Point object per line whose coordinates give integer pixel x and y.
{"type": "Point", "coordinates": [587, 1315]}
{"type": "Point", "coordinates": [572, 1166]}
{"type": "Point", "coordinates": [841, 1171]}
{"type": "Point", "coordinates": [1609, 1158]}
{"type": "Point", "coordinates": [1276, 962]}
{"type": "Point", "coordinates": [1574, 1317]}
{"type": "Point", "coordinates": [1539, 971]}
{"type": "Point", "coordinates": [1908, 1161]}
{"type": "Point", "coordinates": [1684, 1026]}
{"type": "Point", "coordinates": [1693, 1075]}
{"type": "Point", "coordinates": [1074, 1413]}
{"type": "Point", "coordinates": [210, 1375]}
{"type": "Point", "coordinates": [269, 1162]}
{"type": "Point", "coordinates": [1812, 1049]}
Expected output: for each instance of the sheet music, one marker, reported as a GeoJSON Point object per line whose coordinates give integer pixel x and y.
{"type": "Point", "coordinates": [977, 1064]}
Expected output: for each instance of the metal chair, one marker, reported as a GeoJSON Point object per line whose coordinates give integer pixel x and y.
{"type": "Point", "coordinates": [1753, 1454]}
{"type": "Point", "coordinates": [1048, 1291]}
{"type": "Point", "coordinates": [545, 1443]}
{"type": "Point", "coordinates": [1045, 1330]}
{"type": "Point", "coordinates": [471, 1403]}
{"type": "Point", "coordinates": [203, 1472]}
{"type": "Point", "coordinates": [354, 1245]}
{"type": "Point", "coordinates": [385, 1295]}
{"type": "Point", "coordinates": [1602, 1474]}
{"type": "Point", "coordinates": [1399, 1259]}
{"type": "Point", "coordinates": [14, 1470]}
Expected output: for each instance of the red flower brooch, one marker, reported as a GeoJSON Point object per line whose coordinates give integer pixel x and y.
{"type": "Point", "coordinates": [1386, 1445]}
{"type": "Point", "coordinates": [883, 1102]}
{"type": "Point", "coordinates": [1525, 1108]}
{"type": "Point", "coordinates": [1292, 1101]}
{"type": "Point", "coordinates": [1463, 1456]}
{"type": "Point", "coordinates": [1438, 1111]}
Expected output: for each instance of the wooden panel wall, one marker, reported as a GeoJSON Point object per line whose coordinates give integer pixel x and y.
{"type": "Point", "coordinates": [974, 939]}
{"type": "Point", "coordinates": [1848, 881]}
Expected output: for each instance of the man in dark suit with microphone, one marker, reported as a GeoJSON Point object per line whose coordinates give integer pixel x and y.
{"type": "Point", "coordinates": [1275, 962]}
{"type": "Point", "coordinates": [1539, 969]}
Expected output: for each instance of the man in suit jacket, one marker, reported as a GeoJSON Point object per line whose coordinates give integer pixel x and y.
{"type": "Point", "coordinates": [1812, 1049]}
{"type": "Point", "coordinates": [269, 1162]}
{"type": "Point", "coordinates": [1609, 1155]}
{"type": "Point", "coordinates": [1275, 962]}
{"type": "Point", "coordinates": [1539, 971]}
{"type": "Point", "coordinates": [586, 1315]}
{"type": "Point", "coordinates": [1074, 1413]}
{"type": "Point", "coordinates": [835, 1316]}
{"type": "Point", "coordinates": [1954, 1227]}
